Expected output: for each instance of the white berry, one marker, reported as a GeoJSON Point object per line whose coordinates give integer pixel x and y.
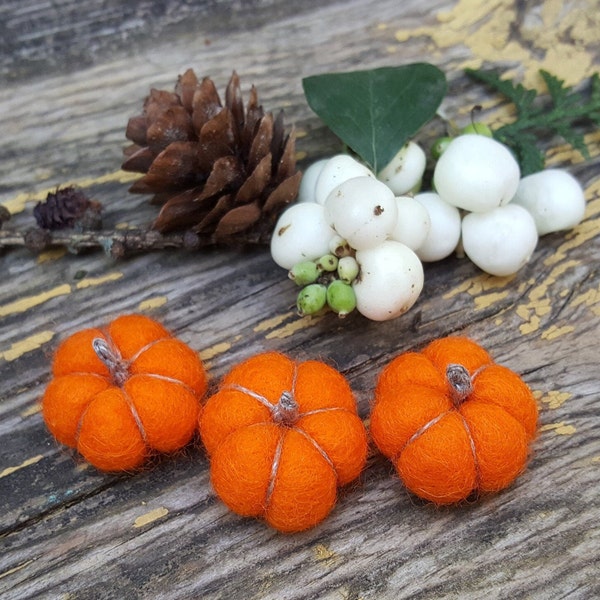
{"type": "Point", "coordinates": [301, 234]}
{"type": "Point", "coordinates": [476, 173]}
{"type": "Point", "coordinates": [554, 198]}
{"type": "Point", "coordinates": [306, 191]}
{"type": "Point", "coordinates": [413, 222]}
{"type": "Point", "coordinates": [444, 231]}
{"type": "Point", "coordinates": [338, 169]}
{"type": "Point", "coordinates": [501, 240]}
{"type": "Point", "coordinates": [404, 172]}
{"type": "Point", "coordinates": [390, 280]}
{"type": "Point", "coordinates": [363, 211]}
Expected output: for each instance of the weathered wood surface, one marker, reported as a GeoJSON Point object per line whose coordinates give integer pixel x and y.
{"type": "Point", "coordinates": [73, 73]}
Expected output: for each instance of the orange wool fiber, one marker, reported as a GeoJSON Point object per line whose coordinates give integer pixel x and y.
{"type": "Point", "coordinates": [282, 437]}
{"type": "Point", "coordinates": [452, 421]}
{"type": "Point", "coordinates": [124, 392]}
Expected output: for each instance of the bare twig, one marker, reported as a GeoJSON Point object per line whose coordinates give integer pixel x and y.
{"type": "Point", "coordinates": [116, 243]}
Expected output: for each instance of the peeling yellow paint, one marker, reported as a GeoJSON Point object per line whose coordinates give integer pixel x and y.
{"type": "Point", "coordinates": [152, 303]}
{"type": "Point", "coordinates": [26, 463]}
{"type": "Point", "coordinates": [150, 517]}
{"type": "Point", "coordinates": [478, 284]}
{"type": "Point", "coordinates": [93, 281]}
{"type": "Point", "coordinates": [291, 328]}
{"type": "Point", "coordinates": [553, 399]}
{"type": "Point", "coordinates": [582, 233]}
{"type": "Point", "coordinates": [554, 331]}
{"type": "Point", "coordinates": [487, 300]}
{"type": "Point", "coordinates": [559, 428]}
{"type": "Point", "coordinates": [558, 40]}
{"type": "Point", "coordinates": [272, 322]}
{"type": "Point", "coordinates": [23, 304]}
{"type": "Point", "coordinates": [596, 460]}
{"type": "Point", "coordinates": [50, 255]}
{"type": "Point", "coordinates": [215, 350]}
{"type": "Point", "coordinates": [591, 299]}
{"type": "Point", "coordinates": [323, 554]}
{"type": "Point", "coordinates": [538, 302]}
{"type": "Point", "coordinates": [29, 344]}
{"type": "Point", "coordinates": [34, 409]}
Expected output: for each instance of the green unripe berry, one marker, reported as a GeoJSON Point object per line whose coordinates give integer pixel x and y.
{"type": "Point", "coordinates": [311, 299]}
{"type": "Point", "coordinates": [478, 128]}
{"type": "Point", "coordinates": [341, 297]}
{"type": "Point", "coordinates": [439, 146]}
{"type": "Point", "coordinates": [347, 269]}
{"type": "Point", "coordinates": [328, 263]}
{"type": "Point", "coordinates": [304, 272]}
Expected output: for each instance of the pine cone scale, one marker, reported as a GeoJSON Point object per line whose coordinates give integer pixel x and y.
{"type": "Point", "coordinates": [174, 125]}
{"type": "Point", "coordinates": [256, 183]}
{"type": "Point", "coordinates": [173, 169]}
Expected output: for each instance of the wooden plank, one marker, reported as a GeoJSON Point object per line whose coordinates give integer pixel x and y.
{"type": "Point", "coordinates": [68, 531]}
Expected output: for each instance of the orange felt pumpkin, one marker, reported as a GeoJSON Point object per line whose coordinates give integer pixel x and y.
{"type": "Point", "coordinates": [282, 436]}
{"type": "Point", "coordinates": [452, 421]}
{"type": "Point", "coordinates": [120, 393]}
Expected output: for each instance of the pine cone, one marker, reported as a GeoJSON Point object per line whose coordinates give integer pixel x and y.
{"type": "Point", "coordinates": [66, 208]}
{"type": "Point", "coordinates": [217, 170]}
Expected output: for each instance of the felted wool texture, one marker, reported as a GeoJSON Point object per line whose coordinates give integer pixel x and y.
{"type": "Point", "coordinates": [146, 401]}
{"type": "Point", "coordinates": [284, 469]}
{"type": "Point", "coordinates": [445, 447]}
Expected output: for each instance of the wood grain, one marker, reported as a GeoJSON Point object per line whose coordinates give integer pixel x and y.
{"type": "Point", "coordinates": [67, 531]}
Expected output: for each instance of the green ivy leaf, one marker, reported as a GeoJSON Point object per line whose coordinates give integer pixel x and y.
{"type": "Point", "coordinates": [376, 112]}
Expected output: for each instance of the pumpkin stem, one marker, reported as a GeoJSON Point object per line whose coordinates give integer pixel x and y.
{"type": "Point", "coordinates": [460, 383]}
{"type": "Point", "coordinates": [285, 412]}
{"type": "Point", "coordinates": [112, 359]}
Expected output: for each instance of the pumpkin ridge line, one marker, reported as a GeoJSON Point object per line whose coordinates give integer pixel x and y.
{"type": "Point", "coordinates": [244, 390]}
{"type": "Point", "coordinates": [417, 434]}
{"type": "Point", "coordinates": [317, 411]}
{"type": "Point", "coordinates": [165, 378]}
{"type": "Point", "coordinates": [473, 450]}
{"type": "Point", "coordinates": [317, 447]}
{"type": "Point", "coordinates": [147, 347]}
{"type": "Point", "coordinates": [274, 470]}
{"type": "Point", "coordinates": [136, 416]}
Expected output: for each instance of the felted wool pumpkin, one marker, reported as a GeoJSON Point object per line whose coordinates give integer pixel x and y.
{"type": "Point", "coordinates": [452, 421]}
{"type": "Point", "coordinates": [281, 437]}
{"type": "Point", "coordinates": [121, 393]}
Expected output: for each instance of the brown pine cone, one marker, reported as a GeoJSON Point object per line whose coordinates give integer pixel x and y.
{"type": "Point", "coordinates": [217, 170]}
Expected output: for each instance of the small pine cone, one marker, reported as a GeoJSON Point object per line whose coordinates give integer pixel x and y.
{"type": "Point", "coordinates": [218, 170]}
{"type": "Point", "coordinates": [66, 208]}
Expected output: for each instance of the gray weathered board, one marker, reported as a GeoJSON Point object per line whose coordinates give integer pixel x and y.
{"type": "Point", "coordinates": [72, 73]}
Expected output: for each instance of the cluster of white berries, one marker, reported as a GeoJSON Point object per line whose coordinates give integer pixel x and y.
{"type": "Point", "coordinates": [357, 240]}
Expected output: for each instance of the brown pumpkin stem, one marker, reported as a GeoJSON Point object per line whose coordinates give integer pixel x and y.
{"type": "Point", "coordinates": [460, 383]}
{"type": "Point", "coordinates": [112, 359]}
{"type": "Point", "coordinates": [286, 411]}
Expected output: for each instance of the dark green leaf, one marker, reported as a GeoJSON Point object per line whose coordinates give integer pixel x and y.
{"type": "Point", "coordinates": [376, 112]}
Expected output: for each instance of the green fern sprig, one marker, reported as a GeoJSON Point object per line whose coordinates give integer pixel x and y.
{"type": "Point", "coordinates": [565, 109]}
